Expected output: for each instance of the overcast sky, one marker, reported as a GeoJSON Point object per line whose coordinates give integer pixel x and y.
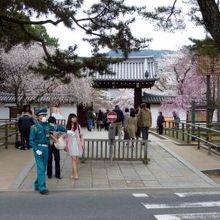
{"type": "Point", "coordinates": [161, 39]}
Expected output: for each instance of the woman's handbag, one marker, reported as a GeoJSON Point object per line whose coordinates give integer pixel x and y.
{"type": "Point", "coordinates": [60, 144]}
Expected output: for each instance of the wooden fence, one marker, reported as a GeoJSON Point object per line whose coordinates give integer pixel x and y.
{"type": "Point", "coordinates": [95, 149]}
{"type": "Point", "coordinates": [8, 130]}
{"type": "Point", "coordinates": [103, 149]}
{"type": "Point", "coordinates": [199, 133]}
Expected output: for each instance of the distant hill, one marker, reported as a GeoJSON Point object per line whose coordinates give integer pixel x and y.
{"type": "Point", "coordinates": [142, 53]}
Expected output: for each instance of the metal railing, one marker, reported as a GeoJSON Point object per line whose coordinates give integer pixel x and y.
{"type": "Point", "coordinates": [200, 133]}
{"type": "Point", "coordinates": [8, 130]}
{"type": "Point", "coordinates": [103, 149]}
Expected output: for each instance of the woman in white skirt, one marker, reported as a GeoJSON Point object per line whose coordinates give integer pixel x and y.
{"type": "Point", "coordinates": [74, 143]}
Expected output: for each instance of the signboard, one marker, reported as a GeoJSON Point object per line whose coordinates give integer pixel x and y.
{"type": "Point", "coordinates": [200, 115]}
{"type": "Point", "coordinates": [208, 65]}
{"type": "Point", "coordinates": [112, 117]}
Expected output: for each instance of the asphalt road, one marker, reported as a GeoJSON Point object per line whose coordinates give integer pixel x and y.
{"type": "Point", "coordinates": [105, 205]}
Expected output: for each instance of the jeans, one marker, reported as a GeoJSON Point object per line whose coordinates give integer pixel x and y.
{"type": "Point", "coordinates": [90, 124]}
{"type": "Point", "coordinates": [144, 131]}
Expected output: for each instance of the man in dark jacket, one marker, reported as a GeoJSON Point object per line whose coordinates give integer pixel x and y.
{"type": "Point", "coordinates": [52, 151]}
{"type": "Point", "coordinates": [24, 124]}
{"type": "Point", "coordinates": [160, 122]}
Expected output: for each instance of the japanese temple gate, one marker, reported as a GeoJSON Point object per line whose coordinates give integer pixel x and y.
{"type": "Point", "coordinates": [134, 73]}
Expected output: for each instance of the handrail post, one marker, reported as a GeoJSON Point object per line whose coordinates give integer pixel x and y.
{"type": "Point", "coordinates": [16, 135]}
{"type": "Point", "coordinates": [165, 127]}
{"type": "Point", "coordinates": [6, 135]}
{"type": "Point", "coordinates": [209, 140]}
{"type": "Point", "coordinates": [177, 130]}
{"type": "Point", "coordinates": [146, 159]}
{"type": "Point", "coordinates": [169, 127]}
{"type": "Point", "coordinates": [198, 138]}
{"type": "Point", "coordinates": [193, 132]}
{"type": "Point", "coordinates": [183, 132]}
{"type": "Point", "coordinates": [188, 136]}
{"type": "Point", "coordinates": [173, 128]}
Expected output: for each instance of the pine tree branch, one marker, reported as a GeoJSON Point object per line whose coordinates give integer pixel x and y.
{"type": "Point", "coordinates": [171, 11]}
{"type": "Point", "coordinates": [35, 38]}
{"type": "Point", "coordinates": [18, 21]}
{"type": "Point", "coordinates": [86, 30]}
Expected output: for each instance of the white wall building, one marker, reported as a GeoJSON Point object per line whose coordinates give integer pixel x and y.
{"type": "Point", "coordinates": [8, 108]}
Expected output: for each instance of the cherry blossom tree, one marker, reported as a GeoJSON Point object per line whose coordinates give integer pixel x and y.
{"type": "Point", "coordinates": [125, 99]}
{"type": "Point", "coordinates": [180, 80]}
{"type": "Point", "coordinates": [18, 78]}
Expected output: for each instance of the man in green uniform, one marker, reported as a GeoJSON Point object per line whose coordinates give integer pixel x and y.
{"type": "Point", "coordinates": [39, 141]}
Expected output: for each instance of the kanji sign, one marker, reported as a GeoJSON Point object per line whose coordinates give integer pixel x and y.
{"type": "Point", "coordinates": [112, 117]}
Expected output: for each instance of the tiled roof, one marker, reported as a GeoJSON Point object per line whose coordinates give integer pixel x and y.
{"type": "Point", "coordinates": [137, 69]}
{"type": "Point", "coordinates": [10, 98]}
{"type": "Point", "coordinates": [154, 99]}
{"type": "Point", "coordinates": [142, 53]}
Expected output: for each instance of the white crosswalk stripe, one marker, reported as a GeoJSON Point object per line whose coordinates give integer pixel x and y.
{"type": "Point", "coordinates": [182, 205]}
{"type": "Point", "coordinates": [140, 195]}
{"type": "Point", "coordinates": [191, 216]}
{"type": "Point", "coordinates": [188, 194]}
{"type": "Point", "coordinates": [170, 206]}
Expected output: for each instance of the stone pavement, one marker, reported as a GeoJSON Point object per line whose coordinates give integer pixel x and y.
{"type": "Point", "coordinates": [165, 170]}
{"type": "Point", "coordinates": [13, 164]}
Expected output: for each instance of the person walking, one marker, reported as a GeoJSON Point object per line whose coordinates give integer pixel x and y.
{"type": "Point", "coordinates": [126, 116]}
{"type": "Point", "coordinates": [176, 120]}
{"type": "Point", "coordinates": [106, 122]}
{"type": "Point", "coordinates": [24, 124]}
{"type": "Point", "coordinates": [160, 122]}
{"type": "Point", "coordinates": [138, 133]}
{"type": "Point", "coordinates": [74, 143]}
{"type": "Point", "coordinates": [100, 120]}
{"type": "Point", "coordinates": [131, 125]}
{"type": "Point", "coordinates": [144, 120]}
{"type": "Point", "coordinates": [53, 151]}
{"type": "Point", "coordinates": [90, 120]}
{"type": "Point", "coordinates": [119, 121]}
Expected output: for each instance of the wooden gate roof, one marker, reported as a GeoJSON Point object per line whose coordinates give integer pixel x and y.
{"type": "Point", "coordinates": [135, 72]}
{"type": "Point", "coordinates": [155, 99]}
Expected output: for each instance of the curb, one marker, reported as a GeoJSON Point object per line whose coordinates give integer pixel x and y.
{"type": "Point", "coordinates": [179, 189]}
{"type": "Point", "coordinates": [21, 176]}
{"type": "Point", "coordinates": [211, 171]}
{"type": "Point", "coordinates": [189, 165]}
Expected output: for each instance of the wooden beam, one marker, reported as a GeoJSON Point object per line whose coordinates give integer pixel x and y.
{"type": "Point", "coordinates": [137, 97]}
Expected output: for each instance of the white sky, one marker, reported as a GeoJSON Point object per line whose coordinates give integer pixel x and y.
{"type": "Point", "coordinates": [161, 39]}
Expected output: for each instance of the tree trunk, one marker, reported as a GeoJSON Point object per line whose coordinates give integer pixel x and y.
{"type": "Point", "coordinates": [218, 100]}
{"type": "Point", "coordinates": [211, 18]}
{"type": "Point", "coordinates": [208, 100]}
